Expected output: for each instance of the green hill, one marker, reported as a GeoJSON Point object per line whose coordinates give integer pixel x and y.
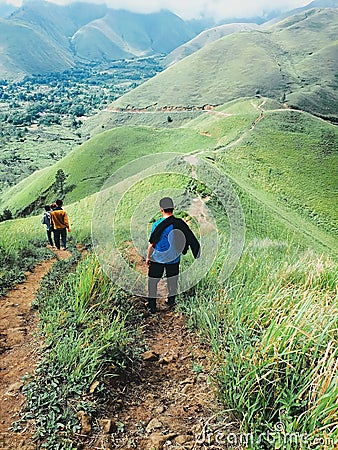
{"type": "Point", "coordinates": [122, 34]}
{"type": "Point", "coordinates": [285, 158]}
{"type": "Point", "coordinates": [288, 61]}
{"type": "Point", "coordinates": [204, 38]}
{"type": "Point", "coordinates": [89, 165]}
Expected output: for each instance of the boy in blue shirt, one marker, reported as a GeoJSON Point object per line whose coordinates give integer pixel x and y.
{"type": "Point", "coordinates": [170, 237]}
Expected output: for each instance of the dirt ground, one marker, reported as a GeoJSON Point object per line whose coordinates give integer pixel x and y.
{"type": "Point", "coordinates": [169, 403]}
{"type": "Point", "coordinates": [19, 352]}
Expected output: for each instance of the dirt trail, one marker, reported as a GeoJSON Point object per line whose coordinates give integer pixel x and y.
{"type": "Point", "coordinates": [170, 401]}
{"type": "Point", "coordinates": [19, 351]}
{"type": "Point", "coordinates": [166, 404]}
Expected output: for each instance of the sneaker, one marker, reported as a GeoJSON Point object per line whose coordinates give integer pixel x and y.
{"type": "Point", "coordinates": [151, 306]}
{"type": "Point", "coordinates": [170, 303]}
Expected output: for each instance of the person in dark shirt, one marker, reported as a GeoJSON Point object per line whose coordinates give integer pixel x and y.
{"type": "Point", "coordinates": [170, 238]}
{"type": "Point", "coordinates": [49, 227]}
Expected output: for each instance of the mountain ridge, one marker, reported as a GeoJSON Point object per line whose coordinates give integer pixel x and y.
{"type": "Point", "coordinates": [83, 33]}
{"type": "Point", "coordinates": [287, 62]}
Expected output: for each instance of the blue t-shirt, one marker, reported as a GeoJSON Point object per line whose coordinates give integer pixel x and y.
{"type": "Point", "coordinates": [165, 251]}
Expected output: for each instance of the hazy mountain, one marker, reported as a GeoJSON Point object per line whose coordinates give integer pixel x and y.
{"type": "Point", "coordinates": [122, 34]}
{"type": "Point", "coordinates": [314, 4]}
{"type": "Point", "coordinates": [296, 59]}
{"type": "Point", "coordinates": [41, 36]}
{"type": "Point", "coordinates": [34, 52]}
{"type": "Point", "coordinates": [41, 32]}
{"type": "Point", "coordinates": [205, 38]}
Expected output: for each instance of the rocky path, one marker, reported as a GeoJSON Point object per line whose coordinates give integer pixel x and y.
{"type": "Point", "coordinates": [19, 352]}
{"type": "Point", "coordinates": [169, 403]}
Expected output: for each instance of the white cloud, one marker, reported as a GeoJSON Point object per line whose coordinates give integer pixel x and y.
{"type": "Point", "coordinates": [218, 9]}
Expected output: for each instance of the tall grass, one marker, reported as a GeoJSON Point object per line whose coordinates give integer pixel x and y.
{"type": "Point", "coordinates": [20, 250]}
{"type": "Point", "coordinates": [273, 328]}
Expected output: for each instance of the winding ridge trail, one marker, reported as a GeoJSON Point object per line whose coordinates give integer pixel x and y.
{"type": "Point", "coordinates": [19, 352]}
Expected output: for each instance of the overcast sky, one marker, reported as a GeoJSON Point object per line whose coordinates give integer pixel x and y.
{"type": "Point", "coordinates": [187, 9]}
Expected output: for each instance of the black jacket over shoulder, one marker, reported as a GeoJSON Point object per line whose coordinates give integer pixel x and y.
{"type": "Point", "coordinates": [179, 224]}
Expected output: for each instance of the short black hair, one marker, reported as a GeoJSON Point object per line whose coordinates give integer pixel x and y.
{"type": "Point", "coordinates": [169, 210]}
{"type": "Point", "coordinates": [47, 208]}
{"type": "Point", "coordinates": [59, 202]}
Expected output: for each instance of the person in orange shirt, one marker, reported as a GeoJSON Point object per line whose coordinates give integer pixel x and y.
{"type": "Point", "coordinates": [60, 222]}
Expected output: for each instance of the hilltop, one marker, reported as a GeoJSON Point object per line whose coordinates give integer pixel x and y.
{"type": "Point", "coordinates": [204, 38]}
{"type": "Point", "coordinates": [292, 61]}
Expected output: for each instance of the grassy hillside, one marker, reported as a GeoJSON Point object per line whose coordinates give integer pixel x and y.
{"type": "Point", "coordinates": [37, 53]}
{"type": "Point", "coordinates": [271, 325]}
{"type": "Point", "coordinates": [123, 34]}
{"type": "Point", "coordinates": [203, 39]}
{"type": "Point", "coordinates": [258, 144]}
{"type": "Point", "coordinates": [89, 165]}
{"type": "Point", "coordinates": [299, 169]}
{"type": "Point", "coordinates": [292, 61]}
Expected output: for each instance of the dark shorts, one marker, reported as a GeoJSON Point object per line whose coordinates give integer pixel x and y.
{"type": "Point", "coordinates": [155, 273]}
{"type": "Point", "coordinates": [156, 270]}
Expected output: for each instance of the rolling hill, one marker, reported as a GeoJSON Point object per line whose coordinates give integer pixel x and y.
{"type": "Point", "coordinates": [288, 60]}
{"type": "Point", "coordinates": [237, 137]}
{"type": "Point", "coordinates": [89, 165]}
{"type": "Point", "coordinates": [203, 39]}
{"type": "Point", "coordinates": [122, 34]}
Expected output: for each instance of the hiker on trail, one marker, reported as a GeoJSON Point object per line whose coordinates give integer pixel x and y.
{"type": "Point", "coordinates": [170, 238]}
{"type": "Point", "coordinates": [60, 223]}
{"type": "Point", "coordinates": [49, 228]}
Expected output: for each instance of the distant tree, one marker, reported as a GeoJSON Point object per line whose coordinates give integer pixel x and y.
{"type": "Point", "coordinates": [6, 215]}
{"type": "Point", "coordinates": [78, 110]}
{"type": "Point", "coordinates": [283, 98]}
{"type": "Point", "coordinates": [169, 119]}
{"type": "Point", "coordinates": [49, 119]}
{"type": "Point", "coordinates": [59, 183]}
